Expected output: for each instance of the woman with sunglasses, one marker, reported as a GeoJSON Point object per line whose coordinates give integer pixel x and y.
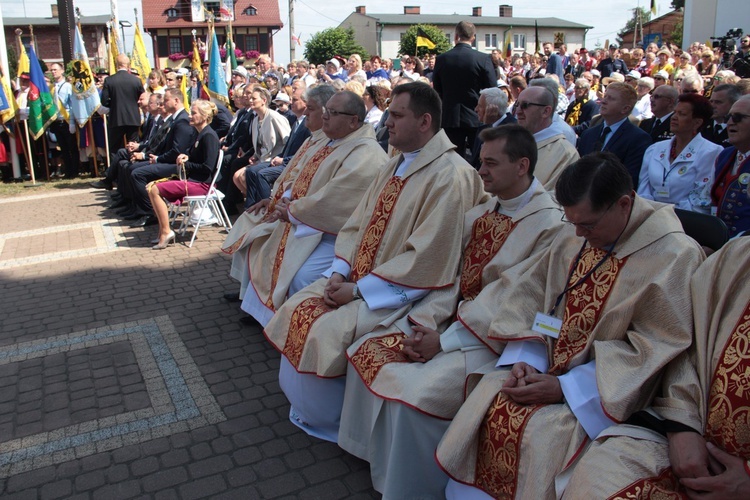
{"type": "Point", "coordinates": [679, 170]}
{"type": "Point", "coordinates": [706, 66]}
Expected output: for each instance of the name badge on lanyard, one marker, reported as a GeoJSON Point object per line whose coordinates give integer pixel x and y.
{"type": "Point", "coordinates": [547, 325]}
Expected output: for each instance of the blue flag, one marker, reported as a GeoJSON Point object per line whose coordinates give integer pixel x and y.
{"type": "Point", "coordinates": [217, 85]}
{"type": "Point", "coordinates": [85, 98]}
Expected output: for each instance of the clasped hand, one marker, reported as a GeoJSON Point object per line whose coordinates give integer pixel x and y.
{"type": "Point", "coordinates": [279, 212]}
{"type": "Point", "coordinates": [526, 386]}
{"type": "Point", "coordinates": [338, 291]}
{"type": "Point", "coordinates": [423, 345]}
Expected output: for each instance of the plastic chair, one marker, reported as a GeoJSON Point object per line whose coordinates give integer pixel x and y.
{"type": "Point", "coordinates": [707, 230]}
{"type": "Point", "coordinates": [198, 205]}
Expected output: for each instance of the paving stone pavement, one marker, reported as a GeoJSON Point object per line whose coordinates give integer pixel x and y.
{"type": "Point", "coordinates": [124, 373]}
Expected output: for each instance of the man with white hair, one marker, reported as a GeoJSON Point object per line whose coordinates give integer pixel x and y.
{"type": "Point", "coordinates": [492, 109]}
{"type": "Point", "coordinates": [692, 83]}
{"type": "Point", "coordinates": [642, 108]}
{"type": "Point", "coordinates": [534, 110]}
{"type": "Point", "coordinates": [582, 109]}
{"type": "Point", "coordinates": [663, 102]}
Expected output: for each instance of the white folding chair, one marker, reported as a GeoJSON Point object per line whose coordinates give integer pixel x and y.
{"type": "Point", "coordinates": [211, 201]}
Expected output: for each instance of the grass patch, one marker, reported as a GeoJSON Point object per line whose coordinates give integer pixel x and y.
{"type": "Point", "coordinates": [26, 188]}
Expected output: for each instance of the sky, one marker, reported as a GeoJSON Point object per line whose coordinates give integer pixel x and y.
{"type": "Point", "coordinates": [606, 16]}
{"type": "Point", "coordinates": [311, 16]}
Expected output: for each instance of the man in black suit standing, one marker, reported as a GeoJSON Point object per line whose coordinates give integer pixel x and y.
{"type": "Point", "coordinates": [120, 94]}
{"type": "Point", "coordinates": [615, 133]}
{"type": "Point", "coordinates": [663, 102]}
{"type": "Point", "coordinates": [179, 139]}
{"type": "Point", "coordinates": [459, 75]}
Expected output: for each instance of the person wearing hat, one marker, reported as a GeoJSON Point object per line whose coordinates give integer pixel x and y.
{"type": "Point", "coordinates": [663, 64]}
{"type": "Point", "coordinates": [282, 102]}
{"type": "Point", "coordinates": [331, 72]}
{"type": "Point", "coordinates": [632, 78]}
{"type": "Point", "coordinates": [239, 79]}
{"type": "Point", "coordinates": [660, 78]}
{"type": "Point", "coordinates": [612, 63]}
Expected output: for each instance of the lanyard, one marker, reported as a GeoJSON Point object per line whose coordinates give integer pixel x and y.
{"type": "Point", "coordinates": [586, 276]}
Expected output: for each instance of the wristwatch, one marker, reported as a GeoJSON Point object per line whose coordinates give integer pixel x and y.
{"type": "Point", "coordinates": [355, 293]}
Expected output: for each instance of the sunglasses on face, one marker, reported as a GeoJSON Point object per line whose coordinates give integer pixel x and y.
{"type": "Point", "coordinates": [736, 117]}
{"type": "Point", "coordinates": [526, 104]}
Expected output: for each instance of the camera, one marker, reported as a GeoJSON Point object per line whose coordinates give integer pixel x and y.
{"type": "Point", "coordinates": [727, 44]}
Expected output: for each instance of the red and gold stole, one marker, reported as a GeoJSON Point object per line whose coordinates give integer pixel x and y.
{"type": "Point", "coordinates": [488, 235]}
{"type": "Point", "coordinates": [375, 353]}
{"type": "Point", "coordinates": [584, 305]}
{"type": "Point", "coordinates": [728, 419]}
{"type": "Point", "coordinates": [311, 309]}
{"type": "Point", "coordinates": [665, 486]}
{"type": "Point", "coordinates": [299, 190]}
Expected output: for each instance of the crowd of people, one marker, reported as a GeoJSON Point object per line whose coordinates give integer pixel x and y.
{"type": "Point", "coordinates": [472, 266]}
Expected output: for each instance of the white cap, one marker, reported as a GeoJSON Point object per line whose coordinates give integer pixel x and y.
{"type": "Point", "coordinates": [596, 72]}
{"type": "Point", "coordinates": [183, 71]}
{"type": "Point", "coordinates": [634, 74]}
{"type": "Point", "coordinates": [282, 97]}
{"type": "Point", "coordinates": [240, 70]}
{"type": "Point", "coordinates": [662, 74]}
{"type": "Point", "coordinates": [335, 62]}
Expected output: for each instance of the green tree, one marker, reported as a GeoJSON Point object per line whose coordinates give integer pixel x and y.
{"type": "Point", "coordinates": [645, 16]}
{"type": "Point", "coordinates": [676, 36]}
{"type": "Point", "coordinates": [677, 4]}
{"type": "Point", "coordinates": [409, 41]}
{"type": "Point", "coordinates": [325, 44]}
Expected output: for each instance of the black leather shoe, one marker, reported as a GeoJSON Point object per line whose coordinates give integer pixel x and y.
{"type": "Point", "coordinates": [133, 216]}
{"type": "Point", "coordinates": [121, 203]}
{"type": "Point", "coordinates": [232, 297]}
{"type": "Point", "coordinates": [148, 220]}
{"type": "Point", "coordinates": [115, 196]}
{"type": "Point", "coordinates": [101, 185]}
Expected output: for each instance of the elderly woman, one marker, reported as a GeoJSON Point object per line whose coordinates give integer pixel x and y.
{"type": "Point", "coordinates": [678, 170]}
{"type": "Point", "coordinates": [663, 63]}
{"type": "Point", "coordinates": [375, 97]}
{"type": "Point", "coordinates": [268, 133]}
{"type": "Point", "coordinates": [198, 167]}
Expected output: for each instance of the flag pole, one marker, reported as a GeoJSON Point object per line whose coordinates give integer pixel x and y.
{"type": "Point", "coordinates": [106, 140]}
{"type": "Point", "coordinates": [28, 145]}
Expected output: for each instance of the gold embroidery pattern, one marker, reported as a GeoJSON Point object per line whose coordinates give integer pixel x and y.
{"type": "Point", "coordinates": [233, 247]}
{"type": "Point", "coordinates": [584, 304]}
{"type": "Point", "coordinates": [375, 353]}
{"type": "Point", "coordinates": [500, 445]}
{"type": "Point", "coordinates": [303, 317]}
{"type": "Point", "coordinates": [665, 486]}
{"type": "Point", "coordinates": [289, 169]}
{"type": "Point", "coordinates": [299, 190]}
{"type": "Point", "coordinates": [728, 422]}
{"type": "Point", "coordinates": [488, 235]}
{"type": "Point", "coordinates": [278, 259]}
{"type": "Point", "coordinates": [370, 243]}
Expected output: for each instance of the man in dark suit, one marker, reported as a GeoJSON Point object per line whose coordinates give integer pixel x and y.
{"type": "Point", "coordinates": [179, 139]}
{"type": "Point", "coordinates": [663, 102]}
{"type": "Point", "coordinates": [222, 120]}
{"type": "Point", "coordinates": [612, 64]}
{"type": "Point", "coordinates": [459, 75]}
{"type": "Point", "coordinates": [722, 99]}
{"type": "Point", "coordinates": [120, 94]}
{"type": "Point", "coordinates": [492, 109]}
{"type": "Point", "coordinates": [260, 178]}
{"type": "Point", "coordinates": [616, 133]}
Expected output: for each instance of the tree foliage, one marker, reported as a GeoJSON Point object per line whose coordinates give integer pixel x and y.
{"type": "Point", "coordinates": [645, 16]}
{"type": "Point", "coordinates": [330, 42]}
{"type": "Point", "coordinates": [677, 4]}
{"type": "Point", "coordinates": [409, 41]}
{"type": "Point", "coordinates": [676, 36]}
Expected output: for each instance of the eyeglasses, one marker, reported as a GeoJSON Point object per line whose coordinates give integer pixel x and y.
{"type": "Point", "coordinates": [526, 104]}
{"type": "Point", "coordinates": [588, 227]}
{"type": "Point", "coordinates": [580, 88]}
{"type": "Point", "coordinates": [736, 117]}
{"type": "Point", "coordinates": [691, 91]}
{"type": "Point", "coordinates": [332, 112]}
{"type": "Point", "coordinates": [657, 97]}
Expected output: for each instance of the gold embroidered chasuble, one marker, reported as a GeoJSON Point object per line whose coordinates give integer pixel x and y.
{"type": "Point", "coordinates": [250, 226]}
{"type": "Point", "coordinates": [493, 243]}
{"type": "Point", "coordinates": [417, 247]}
{"type": "Point", "coordinates": [632, 315]}
{"type": "Point", "coordinates": [707, 388]}
{"type": "Point", "coordinates": [554, 154]}
{"type": "Point", "coordinates": [325, 192]}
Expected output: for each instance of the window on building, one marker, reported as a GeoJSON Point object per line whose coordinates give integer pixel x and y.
{"type": "Point", "coordinates": [213, 7]}
{"type": "Point", "coordinates": [175, 45]}
{"type": "Point", "coordinates": [251, 42]}
{"type": "Point", "coordinates": [490, 40]}
{"type": "Point", "coordinates": [251, 11]}
{"type": "Point", "coordinates": [449, 36]}
{"type": "Point", "coordinates": [172, 13]}
{"type": "Point", "coordinates": [519, 41]}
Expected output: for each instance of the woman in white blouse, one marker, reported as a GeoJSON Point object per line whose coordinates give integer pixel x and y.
{"type": "Point", "coordinates": [678, 171]}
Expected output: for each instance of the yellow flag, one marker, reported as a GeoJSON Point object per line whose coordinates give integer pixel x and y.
{"type": "Point", "coordinates": [139, 59]}
{"type": "Point", "coordinates": [23, 61]}
{"type": "Point", "coordinates": [195, 63]}
{"type": "Point", "coordinates": [423, 40]}
{"type": "Point", "coordinates": [8, 114]}
{"type": "Point", "coordinates": [184, 90]}
{"type": "Point", "coordinates": [113, 52]}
